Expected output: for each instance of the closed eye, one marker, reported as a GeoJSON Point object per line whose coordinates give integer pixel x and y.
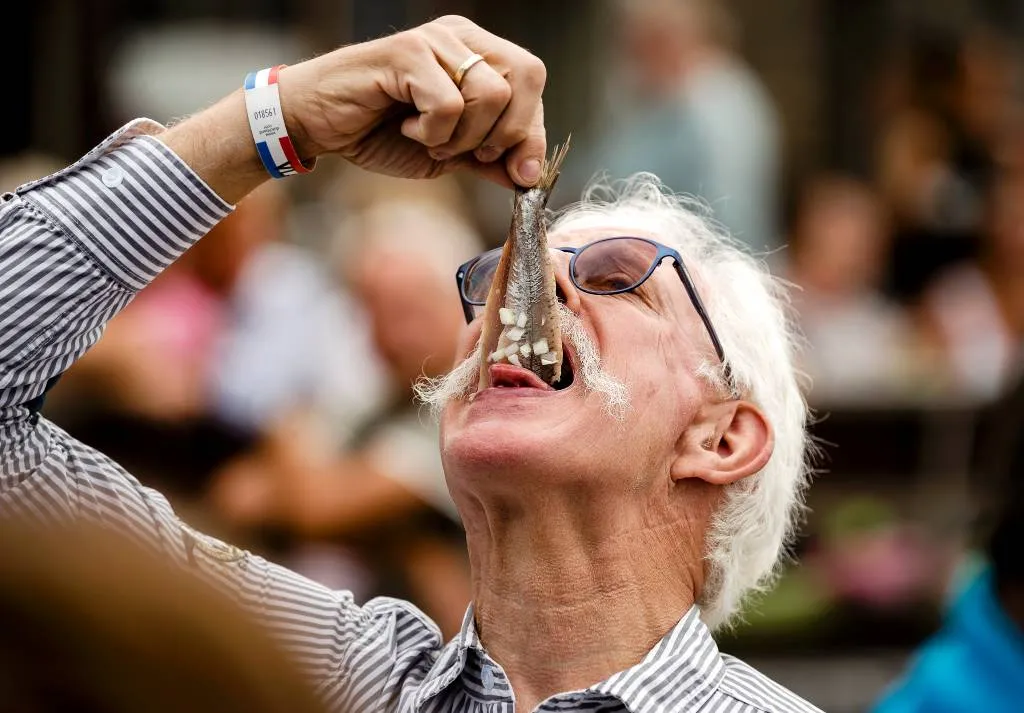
{"type": "Point", "coordinates": [612, 282]}
{"type": "Point", "coordinates": [643, 295]}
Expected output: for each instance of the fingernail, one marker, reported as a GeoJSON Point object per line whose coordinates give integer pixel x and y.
{"type": "Point", "coordinates": [486, 154]}
{"type": "Point", "coordinates": [529, 170]}
{"type": "Point", "coordinates": [440, 155]}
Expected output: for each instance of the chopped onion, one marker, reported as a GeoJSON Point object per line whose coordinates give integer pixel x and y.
{"type": "Point", "coordinates": [541, 346]}
{"type": "Point", "coordinates": [496, 356]}
{"type": "Point", "coordinates": [521, 322]}
{"type": "Point", "coordinates": [515, 334]}
{"type": "Point", "coordinates": [510, 350]}
{"type": "Point", "coordinates": [525, 350]}
{"type": "Point", "coordinates": [514, 360]}
{"type": "Point", "coordinates": [507, 316]}
{"type": "Point", "coordinates": [548, 359]}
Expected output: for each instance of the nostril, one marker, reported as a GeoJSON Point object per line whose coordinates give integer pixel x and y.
{"type": "Point", "coordinates": [559, 294]}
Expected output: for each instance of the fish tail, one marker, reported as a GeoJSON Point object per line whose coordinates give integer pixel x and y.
{"type": "Point", "coordinates": [552, 166]}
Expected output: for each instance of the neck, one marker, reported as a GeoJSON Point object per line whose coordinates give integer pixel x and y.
{"type": "Point", "coordinates": [569, 590]}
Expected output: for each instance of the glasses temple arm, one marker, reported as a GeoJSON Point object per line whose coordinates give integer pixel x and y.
{"type": "Point", "coordinates": [698, 305]}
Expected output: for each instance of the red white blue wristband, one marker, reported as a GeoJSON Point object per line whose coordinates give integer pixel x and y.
{"type": "Point", "coordinates": [266, 120]}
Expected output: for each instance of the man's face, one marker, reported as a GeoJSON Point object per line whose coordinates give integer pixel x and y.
{"type": "Point", "coordinates": [650, 339]}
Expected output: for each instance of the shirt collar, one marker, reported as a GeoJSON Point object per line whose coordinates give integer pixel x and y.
{"type": "Point", "coordinates": [451, 661]}
{"type": "Point", "coordinates": [468, 637]}
{"type": "Point", "coordinates": [680, 672]}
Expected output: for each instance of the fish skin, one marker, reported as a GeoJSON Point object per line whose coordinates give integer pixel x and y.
{"type": "Point", "coordinates": [525, 281]}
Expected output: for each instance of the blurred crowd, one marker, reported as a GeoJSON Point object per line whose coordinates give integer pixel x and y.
{"type": "Point", "coordinates": [907, 278]}
{"type": "Point", "coordinates": [904, 277]}
{"type": "Point", "coordinates": [264, 381]}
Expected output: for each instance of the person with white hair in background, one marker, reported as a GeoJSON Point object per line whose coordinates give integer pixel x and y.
{"type": "Point", "coordinates": [611, 524]}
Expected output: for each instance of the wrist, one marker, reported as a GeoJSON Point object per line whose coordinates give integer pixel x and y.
{"type": "Point", "coordinates": [217, 144]}
{"type": "Point", "coordinates": [298, 96]}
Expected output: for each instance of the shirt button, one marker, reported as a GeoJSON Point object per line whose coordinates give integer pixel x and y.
{"type": "Point", "coordinates": [113, 176]}
{"type": "Point", "coordinates": [487, 678]}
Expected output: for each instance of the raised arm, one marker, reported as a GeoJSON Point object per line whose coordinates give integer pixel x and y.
{"type": "Point", "coordinates": [78, 245]}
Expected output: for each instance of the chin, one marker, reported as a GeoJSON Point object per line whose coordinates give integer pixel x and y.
{"type": "Point", "coordinates": [498, 432]}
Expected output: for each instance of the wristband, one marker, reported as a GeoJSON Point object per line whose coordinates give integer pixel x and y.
{"type": "Point", "coordinates": [266, 120]}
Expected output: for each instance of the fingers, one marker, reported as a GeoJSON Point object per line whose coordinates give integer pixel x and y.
{"type": "Point", "coordinates": [501, 111]}
{"type": "Point", "coordinates": [439, 103]}
{"type": "Point", "coordinates": [521, 126]}
{"type": "Point", "coordinates": [524, 159]}
{"type": "Point", "coordinates": [494, 171]}
{"type": "Point", "coordinates": [518, 121]}
{"type": "Point", "coordinates": [486, 95]}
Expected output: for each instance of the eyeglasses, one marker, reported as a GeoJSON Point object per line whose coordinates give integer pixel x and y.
{"type": "Point", "coordinates": [609, 266]}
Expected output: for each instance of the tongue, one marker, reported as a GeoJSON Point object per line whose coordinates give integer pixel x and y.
{"type": "Point", "coordinates": [515, 377]}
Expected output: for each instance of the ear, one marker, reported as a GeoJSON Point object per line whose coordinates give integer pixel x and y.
{"type": "Point", "coordinates": [725, 443]}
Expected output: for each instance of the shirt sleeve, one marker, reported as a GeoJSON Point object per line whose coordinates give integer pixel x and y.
{"type": "Point", "coordinates": [74, 249]}
{"type": "Point", "coordinates": [76, 246]}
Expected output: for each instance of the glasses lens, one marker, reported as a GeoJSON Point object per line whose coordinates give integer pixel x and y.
{"type": "Point", "coordinates": [477, 283]}
{"type": "Point", "coordinates": [613, 265]}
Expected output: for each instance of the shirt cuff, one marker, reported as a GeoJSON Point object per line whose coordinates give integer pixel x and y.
{"type": "Point", "coordinates": [131, 203]}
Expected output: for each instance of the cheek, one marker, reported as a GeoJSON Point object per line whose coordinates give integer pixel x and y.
{"type": "Point", "coordinates": [629, 342]}
{"type": "Point", "coordinates": [468, 336]}
{"type": "Point", "coordinates": [657, 367]}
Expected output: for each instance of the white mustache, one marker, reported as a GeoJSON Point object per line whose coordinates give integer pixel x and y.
{"type": "Point", "coordinates": [459, 382]}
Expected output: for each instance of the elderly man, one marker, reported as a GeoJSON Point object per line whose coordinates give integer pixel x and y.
{"type": "Point", "coordinates": [610, 523]}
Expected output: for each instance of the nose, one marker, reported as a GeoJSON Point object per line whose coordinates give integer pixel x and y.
{"type": "Point", "coordinates": [565, 290]}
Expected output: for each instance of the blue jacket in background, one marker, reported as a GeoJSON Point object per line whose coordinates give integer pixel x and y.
{"type": "Point", "coordinates": [974, 663]}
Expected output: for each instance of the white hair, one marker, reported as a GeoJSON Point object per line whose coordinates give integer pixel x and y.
{"type": "Point", "coordinates": [750, 310]}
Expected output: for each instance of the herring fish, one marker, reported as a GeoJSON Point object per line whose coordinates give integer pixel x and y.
{"type": "Point", "coordinates": [521, 324]}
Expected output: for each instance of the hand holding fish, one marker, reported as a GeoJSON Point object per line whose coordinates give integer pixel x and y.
{"type": "Point", "coordinates": [393, 106]}
{"type": "Point", "coordinates": [444, 96]}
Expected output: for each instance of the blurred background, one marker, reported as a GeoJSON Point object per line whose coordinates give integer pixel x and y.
{"type": "Point", "coordinates": [870, 151]}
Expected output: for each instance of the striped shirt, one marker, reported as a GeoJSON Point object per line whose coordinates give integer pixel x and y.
{"type": "Point", "coordinates": [75, 248]}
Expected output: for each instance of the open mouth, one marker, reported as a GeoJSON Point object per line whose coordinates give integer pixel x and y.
{"type": "Point", "coordinates": [508, 376]}
{"type": "Point", "coordinates": [568, 373]}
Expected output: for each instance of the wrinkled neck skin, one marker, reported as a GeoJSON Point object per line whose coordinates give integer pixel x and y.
{"type": "Point", "coordinates": [573, 583]}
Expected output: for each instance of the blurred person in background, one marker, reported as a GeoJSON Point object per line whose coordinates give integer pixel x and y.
{"type": "Point", "coordinates": [202, 364]}
{"type": "Point", "coordinates": [684, 105]}
{"type": "Point", "coordinates": [24, 168]}
{"type": "Point", "coordinates": [93, 622]}
{"type": "Point", "coordinates": [975, 662]}
{"type": "Point", "coordinates": [859, 342]}
{"type": "Point", "coordinates": [292, 323]}
{"type": "Point", "coordinates": [384, 494]}
{"type": "Point", "coordinates": [949, 107]}
{"type": "Point", "coordinates": [973, 313]}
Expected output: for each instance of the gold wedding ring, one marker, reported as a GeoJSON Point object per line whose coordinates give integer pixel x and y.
{"type": "Point", "coordinates": [460, 73]}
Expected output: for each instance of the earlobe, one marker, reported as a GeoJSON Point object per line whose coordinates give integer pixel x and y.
{"type": "Point", "coordinates": [727, 443]}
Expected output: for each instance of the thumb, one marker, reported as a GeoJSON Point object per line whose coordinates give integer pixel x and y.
{"type": "Point", "coordinates": [524, 160]}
